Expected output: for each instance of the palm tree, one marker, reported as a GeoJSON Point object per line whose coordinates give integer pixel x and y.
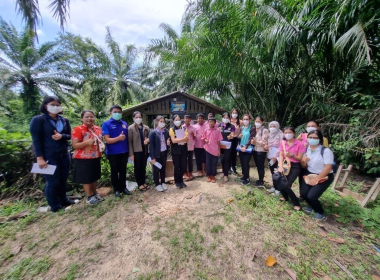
{"type": "Point", "coordinates": [30, 70]}
{"type": "Point", "coordinates": [29, 10]}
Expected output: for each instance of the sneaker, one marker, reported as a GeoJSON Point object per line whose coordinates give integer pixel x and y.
{"type": "Point", "coordinates": [98, 197]}
{"type": "Point", "coordinates": [117, 194]}
{"type": "Point", "coordinates": [308, 210]}
{"type": "Point", "coordinates": [127, 192]}
{"type": "Point", "coordinates": [179, 186]}
{"type": "Point", "coordinates": [92, 200]}
{"type": "Point", "coordinates": [271, 190]}
{"type": "Point", "coordinates": [277, 193]}
{"type": "Point", "coordinates": [246, 182]}
{"type": "Point", "coordinates": [159, 188]}
{"type": "Point", "coordinates": [259, 183]}
{"type": "Point", "coordinates": [242, 178]}
{"type": "Point", "coordinates": [319, 217]}
{"type": "Point", "coordinates": [183, 185]}
{"type": "Point", "coordinates": [233, 171]}
{"type": "Point", "coordinates": [164, 187]}
{"type": "Point", "coordinates": [68, 203]}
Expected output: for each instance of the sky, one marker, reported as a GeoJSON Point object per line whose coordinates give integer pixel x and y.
{"type": "Point", "coordinates": [131, 22]}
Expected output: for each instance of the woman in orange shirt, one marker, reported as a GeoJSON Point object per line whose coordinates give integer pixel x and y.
{"type": "Point", "coordinates": [85, 140]}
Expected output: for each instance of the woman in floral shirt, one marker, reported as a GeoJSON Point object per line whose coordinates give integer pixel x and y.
{"type": "Point", "coordinates": [87, 155]}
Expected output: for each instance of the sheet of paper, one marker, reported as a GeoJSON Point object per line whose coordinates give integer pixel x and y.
{"type": "Point", "coordinates": [49, 170]}
{"type": "Point", "coordinates": [226, 143]}
{"type": "Point", "coordinates": [180, 133]}
{"type": "Point", "coordinates": [157, 164]}
{"type": "Point", "coordinates": [272, 151]}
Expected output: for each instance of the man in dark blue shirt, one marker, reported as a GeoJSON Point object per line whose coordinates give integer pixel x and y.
{"type": "Point", "coordinates": [115, 132]}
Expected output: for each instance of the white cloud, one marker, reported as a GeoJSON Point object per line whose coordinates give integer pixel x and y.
{"type": "Point", "coordinates": [130, 21]}
{"type": "Point", "coordinates": [40, 32]}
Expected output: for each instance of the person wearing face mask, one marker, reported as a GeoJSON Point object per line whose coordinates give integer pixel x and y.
{"type": "Point", "coordinates": [86, 142]}
{"type": "Point", "coordinates": [259, 154]}
{"type": "Point", "coordinates": [248, 131]}
{"type": "Point", "coordinates": [199, 151]}
{"type": "Point", "coordinates": [179, 151]}
{"type": "Point", "coordinates": [273, 148]}
{"type": "Point", "coordinates": [50, 134]}
{"type": "Point", "coordinates": [190, 147]}
{"type": "Point", "coordinates": [158, 152]}
{"type": "Point", "coordinates": [228, 133]}
{"type": "Point", "coordinates": [310, 126]}
{"type": "Point", "coordinates": [237, 123]}
{"type": "Point", "coordinates": [293, 150]}
{"type": "Point", "coordinates": [115, 132]}
{"type": "Point", "coordinates": [138, 141]}
{"type": "Point", "coordinates": [318, 160]}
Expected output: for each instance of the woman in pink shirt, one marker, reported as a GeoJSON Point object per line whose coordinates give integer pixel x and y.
{"type": "Point", "coordinates": [190, 147]}
{"type": "Point", "coordinates": [293, 150]}
{"type": "Point", "coordinates": [212, 137]}
{"type": "Point", "coordinates": [199, 150]}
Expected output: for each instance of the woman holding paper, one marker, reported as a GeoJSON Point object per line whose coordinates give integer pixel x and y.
{"type": "Point", "coordinates": [292, 149]}
{"type": "Point", "coordinates": [245, 149]}
{"type": "Point", "coordinates": [158, 152]}
{"type": "Point", "coordinates": [86, 140]}
{"type": "Point", "coordinates": [319, 175]}
{"type": "Point", "coordinates": [273, 148]}
{"type": "Point", "coordinates": [228, 133]}
{"type": "Point", "coordinates": [178, 136]}
{"type": "Point", "coordinates": [51, 133]}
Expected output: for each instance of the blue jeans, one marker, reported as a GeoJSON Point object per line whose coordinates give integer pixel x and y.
{"type": "Point", "coordinates": [55, 189]}
{"type": "Point", "coordinates": [211, 164]}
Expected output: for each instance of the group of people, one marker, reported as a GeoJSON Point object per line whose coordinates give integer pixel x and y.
{"type": "Point", "coordinates": [209, 141]}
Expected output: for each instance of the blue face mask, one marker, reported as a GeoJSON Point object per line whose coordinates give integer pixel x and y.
{"type": "Point", "coordinates": [116, 116]}
{"type": "Point", "coordinates": [313, 142]}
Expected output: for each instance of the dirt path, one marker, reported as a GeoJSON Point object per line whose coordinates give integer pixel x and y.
{"type": "Point", "coordinates": [192, 233]}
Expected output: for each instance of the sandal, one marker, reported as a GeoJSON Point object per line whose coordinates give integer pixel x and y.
{"type": "Point", "coordinates": [144, 188]}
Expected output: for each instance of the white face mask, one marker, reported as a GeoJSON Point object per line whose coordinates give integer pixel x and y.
{"type": "Point", "coordinates": [258, 125]}
{"type": "Point", "coordinates": [273, 129]}
{"type": "Point", "coordinates": [234, 116]}
{"type": "Point", "coordinates": [289, 136]}
{"type": "Point", "coordinates": [310, 128]}
{"type": "Point", "coordinates": [138, 120]}
{"type": "Point", "coordinates": [246, 122]}
{"type": "Point", "coordinates": [161, 125]}
{"type": "Point", "coordinates": [177, 123]}
{"type": "Point", "coordinates": [225, 120]}
{"type": "Point", "coordinates": [54, 109]}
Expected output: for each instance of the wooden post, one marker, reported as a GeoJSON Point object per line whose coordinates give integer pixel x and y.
{"type": "Point", "coordinates": [373, 193]}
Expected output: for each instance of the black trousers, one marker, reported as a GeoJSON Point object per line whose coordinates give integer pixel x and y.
{"type": "Point", "coordinates": [300, 177]}
{"type": "Point", "coordinates": [312, 193]}
{"type": "Point", "coordinates": [211, 164]}
{"type": "Point", "coordinates": [259, 158]}
{"type": "Point", "coordinates": [190, 161]}
{"type": "Point", "coordinates": [244, 162]}
{"type": "Point", "coordinates": [273, 167]}
{"type": "Point", "coordinates": [180, 162]}
{"type": "Point", "coordinates": [226, 163]}
{"type": "Point", "coordinates": [140, 167]}
{"type": "Point", "coordinates": [234, 144]}
{"type": "Point", "coordinates": [160, 173]}
{"type": "Point", "coordinates": [200, 157]}
{"type": "Point", "coordinates": [292, 176]}
{"type": "Point", "coordinates": [118, 165]}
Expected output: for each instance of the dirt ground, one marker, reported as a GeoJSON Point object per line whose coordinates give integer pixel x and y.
{"type": "Point", "coordinates": [192, 233]}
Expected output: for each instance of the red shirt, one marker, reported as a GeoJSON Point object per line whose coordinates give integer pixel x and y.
{"type": "Point", "coordinates": [82, 133]}
{"type": "Point", "coordinates": [296, 149]}
{"type": "Point", "coordinates": [214, 136]}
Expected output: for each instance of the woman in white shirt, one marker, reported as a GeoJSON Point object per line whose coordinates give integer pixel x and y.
{"type": "Point", "coordinates": [318, 160]}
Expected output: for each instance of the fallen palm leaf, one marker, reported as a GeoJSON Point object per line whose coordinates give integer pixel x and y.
{"type": "Point", "coordinates": [270, 261]}
{"type": "Point", "coordinates": [336, 240]}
